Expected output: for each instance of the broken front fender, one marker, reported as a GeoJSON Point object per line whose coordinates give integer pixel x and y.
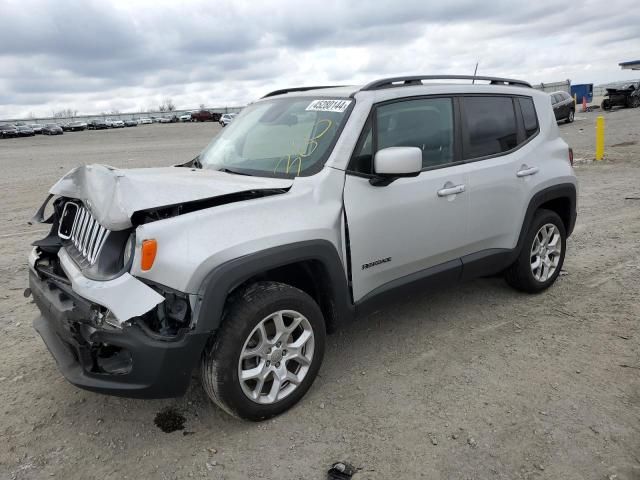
{"type": "Point", "coordinates": [125, 296]}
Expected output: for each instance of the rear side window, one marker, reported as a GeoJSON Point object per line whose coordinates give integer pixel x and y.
{"type": "Point", "coordinates": [529, 117]}
{"type": "Point", "coordinates": [490, 126]}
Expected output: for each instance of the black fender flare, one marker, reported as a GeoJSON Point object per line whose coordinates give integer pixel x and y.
{"type": "Point", "coordinates": [217, 285]}
{"type": "Point", "coordinates": [560, 191]}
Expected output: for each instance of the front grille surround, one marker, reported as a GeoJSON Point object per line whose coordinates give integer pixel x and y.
{"type": "Point", "coordinates": [87, 235]}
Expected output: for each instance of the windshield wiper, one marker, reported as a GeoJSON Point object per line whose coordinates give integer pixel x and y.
{"type": "Point", "coordinates": [235, 172]}
{"type": "Point", "coordinates": [193, 163]}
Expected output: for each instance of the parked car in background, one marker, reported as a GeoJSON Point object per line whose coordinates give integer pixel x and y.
{"type": "Point", "coordinates": [64, 126]}
{"type": "Point", "coordinates": [145, 121]}
{"type": "Point", "coordinates": [52, 129]}
{"type": "Point", "coordinates": [36, 127]}
{"type": "Point", "coordinates": [625, 96]}
{"type": "Point", "coordinates": [8, 131]}
{"type": "Point", "coordinates": [563, 106]}
{"type": "Point", "coordinates": [227, 118]}
{"type": "Point", "coordinates": [77, 126]}
{"type": "Point", "coordinates": [164, 120]}
{"type": "Point", "coordinates": [185, 117]}
{"type": "Point", "coordinates": [202, 116]}
{"type": "Point", "coordinates": [131, 123]}
{"type": "Point", "coordinates": [25, 131]}
{"type": "Point", "coordinates": [97, 125]}
{"type": "Point", "coordinates": [111, 123]}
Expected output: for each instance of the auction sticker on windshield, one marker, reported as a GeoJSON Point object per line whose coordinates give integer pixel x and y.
{"type": "Point", "coordinates": [337, 106]}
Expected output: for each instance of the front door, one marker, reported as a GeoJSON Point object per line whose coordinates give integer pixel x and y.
{"type": "Point", "coordinates": [415, 223]}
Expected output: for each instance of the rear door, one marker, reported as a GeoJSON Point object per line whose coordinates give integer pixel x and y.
{"type": "Point", "coordinates": [493, 143]}
{"type": "Point", "coordinates": [412, 224]}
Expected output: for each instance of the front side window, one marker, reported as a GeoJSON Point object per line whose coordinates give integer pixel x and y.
{"type": "Point", "coordinates": [490, 126]}
{"type": "Point", "coordinates": [362, 159]}
{"type": "Point", "coordinates": [423, 123]}
{"type": "Point", "coordinates": [282, 137]}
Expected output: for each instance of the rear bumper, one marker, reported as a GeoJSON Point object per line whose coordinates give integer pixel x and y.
{"type": "Point", "coordinates": [126, 362]}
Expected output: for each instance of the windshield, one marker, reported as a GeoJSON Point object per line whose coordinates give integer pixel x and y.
{"type": "Point", "coordinates": [284, 137]}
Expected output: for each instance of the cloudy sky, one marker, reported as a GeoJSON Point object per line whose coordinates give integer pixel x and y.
{"type": "Point", "coordinates": [105, 55]}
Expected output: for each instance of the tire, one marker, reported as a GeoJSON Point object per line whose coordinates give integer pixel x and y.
{"type": "Point", "coordinates": [606, 104]}
{"type": "Point", "coordinates": [520, 275]}
{"type": "Point", "coordinates": [220, 365]}
{"type": "Point", "coordinates": [635, 102]}
{"type": "Point", "coordinates": [570, 117]}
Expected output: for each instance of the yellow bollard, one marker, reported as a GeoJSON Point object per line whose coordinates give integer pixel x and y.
{"type": "Point", "coordinates": [599, 137]}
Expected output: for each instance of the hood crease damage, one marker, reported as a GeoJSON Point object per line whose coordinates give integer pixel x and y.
{"type": "Point", "coordinates": [116, 196]}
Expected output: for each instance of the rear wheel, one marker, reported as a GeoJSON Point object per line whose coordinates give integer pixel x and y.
{"type": "Point", "coordinates": [606, 104]}
{"type": "Point", "coordinates": [635, 102]}
{"type": "Point", "coordinates": [267, 352]}
{"type": "Point", "coordinates": [542, 254]}
{"type": "Point", "coordinates": [570, 117]}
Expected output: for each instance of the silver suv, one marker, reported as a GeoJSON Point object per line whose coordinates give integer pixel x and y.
{"type": "Point", "coordinates": [314, 206]}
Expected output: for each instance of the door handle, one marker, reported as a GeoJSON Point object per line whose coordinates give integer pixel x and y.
{"type": "Point", "coordinates": [450, 190]}
{"type": "Point", "coordinates": [525, 171]}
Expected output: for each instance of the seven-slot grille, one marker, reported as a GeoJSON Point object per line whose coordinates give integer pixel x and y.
{"type": "Point", "coordinates": [79, 227]}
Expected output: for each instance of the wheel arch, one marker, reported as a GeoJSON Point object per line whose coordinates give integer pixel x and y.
{"type": "Point", "coordinates": [313, 266]}
{"type": "Point", "coordinates": [559, 198]}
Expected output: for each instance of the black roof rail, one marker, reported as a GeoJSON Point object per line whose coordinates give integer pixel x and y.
{"type": "Point", "coordinates": [417, 80]}
{"type": "Point", "coordinates": [299, 89]}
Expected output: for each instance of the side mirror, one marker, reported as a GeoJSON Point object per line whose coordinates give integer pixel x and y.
{"type": "Point", "coordinates": [395, 162]}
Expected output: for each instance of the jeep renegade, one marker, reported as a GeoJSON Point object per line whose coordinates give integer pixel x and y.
{"type": "Point", "coordinates": [314, 205]}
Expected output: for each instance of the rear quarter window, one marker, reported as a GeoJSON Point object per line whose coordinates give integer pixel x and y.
{"type": "Point", "coordinates": [529, 117]}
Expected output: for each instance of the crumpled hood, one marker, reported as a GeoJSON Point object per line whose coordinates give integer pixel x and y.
{"type": "Point", "coordinates": [113, 195]}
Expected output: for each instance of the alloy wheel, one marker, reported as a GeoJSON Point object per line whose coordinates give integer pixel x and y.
{"type": "Point", "coordinates": [545, 252]}
{"type": "Point", "coordinates": [276, 357]}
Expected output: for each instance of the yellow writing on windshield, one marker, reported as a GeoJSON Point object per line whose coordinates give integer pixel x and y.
{"type": "Point", "coordinates": [306, 150]}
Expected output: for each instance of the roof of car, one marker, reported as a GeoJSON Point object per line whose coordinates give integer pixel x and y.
{"type": "Point", "coordinates": [395, 83]}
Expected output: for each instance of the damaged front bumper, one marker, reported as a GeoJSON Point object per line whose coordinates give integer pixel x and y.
{"type": "Point", "coordinates": [127, 359]}
{"type": "Point", "coordinates": [125, 296]}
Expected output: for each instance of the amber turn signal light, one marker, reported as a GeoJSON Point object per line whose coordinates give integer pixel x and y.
{"type": "Point", "coordinates": [149, 250]}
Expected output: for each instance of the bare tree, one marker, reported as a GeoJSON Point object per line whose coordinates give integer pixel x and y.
{"type": "Point", "coordinates": [162, 108]}
{"type": "Point", "coordinates": [169, 104]}
{"type": "Point", "coordinates": [202, 106]}
{"type": "Point", "coordinates": [66, 113]}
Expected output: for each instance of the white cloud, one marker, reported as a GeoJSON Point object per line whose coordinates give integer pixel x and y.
{"type": "Point", "coordinates": [98, 56]}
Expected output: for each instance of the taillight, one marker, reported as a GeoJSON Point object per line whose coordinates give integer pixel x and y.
{"type": "Point", "coordinates": [571, 156]}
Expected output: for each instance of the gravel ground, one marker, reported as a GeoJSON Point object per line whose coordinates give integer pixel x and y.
{"type": "Point", "coordinates": [477, 382]}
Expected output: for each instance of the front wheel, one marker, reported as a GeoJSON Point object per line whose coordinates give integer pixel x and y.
{"type": "Point", "coordinates": [267, 352]}
{"type": "Point", "coordinates": [542, 256]}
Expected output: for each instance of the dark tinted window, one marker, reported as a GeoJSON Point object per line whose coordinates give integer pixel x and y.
{"type": "Point", "coordinates": [490, 124]}
{"type": "Point", "coordinates": [528, 116]}
{"type": "Point", "coordinates": [363, 154]}
{"type": "Point", "coordinates": [425, 123]}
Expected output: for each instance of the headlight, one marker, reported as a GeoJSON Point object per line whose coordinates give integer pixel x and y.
{"type": "Point", "coordinates": [129, 248]}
